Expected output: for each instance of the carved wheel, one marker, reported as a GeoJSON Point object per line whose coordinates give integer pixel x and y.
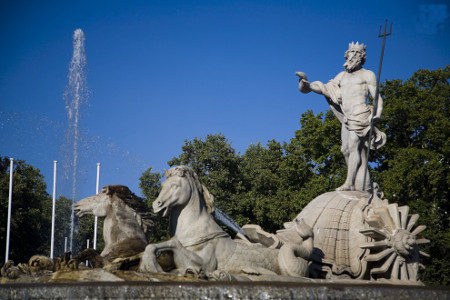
{"type": "Point", "coordinates": [394, 252]}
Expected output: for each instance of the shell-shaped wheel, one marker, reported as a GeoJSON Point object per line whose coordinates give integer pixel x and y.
{"type": "Point", "coordinates": [394, 252]}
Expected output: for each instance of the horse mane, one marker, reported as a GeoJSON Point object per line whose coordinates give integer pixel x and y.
{"type": "Point", "coordinates": [185, 171]}
{"type": "Point", "coordinates": [142, 213]}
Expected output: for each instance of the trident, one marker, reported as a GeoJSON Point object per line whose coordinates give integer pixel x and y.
{"type": "Point", "coordinates": [377, 93]}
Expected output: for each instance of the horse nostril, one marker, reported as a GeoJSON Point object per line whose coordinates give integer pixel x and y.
{"type": "Point", "coordinates": [159, 203]}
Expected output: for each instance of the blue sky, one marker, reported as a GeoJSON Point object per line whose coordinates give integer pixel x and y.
{"type": "Point", "coordinates": [161, 72]}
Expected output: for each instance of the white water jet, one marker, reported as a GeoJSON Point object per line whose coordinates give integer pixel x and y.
{"type": "Point", "coordinates": [75, 95]}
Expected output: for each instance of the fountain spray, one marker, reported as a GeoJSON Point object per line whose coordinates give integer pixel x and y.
{"type": "Point", "coordinates": [75, 95]}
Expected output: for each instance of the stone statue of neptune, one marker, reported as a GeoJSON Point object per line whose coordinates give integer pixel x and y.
{"type": "Point", "coordinates": [347, 95]}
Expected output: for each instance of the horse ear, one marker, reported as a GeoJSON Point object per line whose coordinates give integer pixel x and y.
{"type": "Point", "coordinates": [166, 173]}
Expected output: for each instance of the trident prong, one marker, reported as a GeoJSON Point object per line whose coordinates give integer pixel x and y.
{"type": "Point", "coordinates": [385, 33]}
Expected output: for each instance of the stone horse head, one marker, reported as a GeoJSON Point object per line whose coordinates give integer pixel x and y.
{"type": "Point", "coordinates": [128, 220]}
{"type": "Point", "coordinates": [182, 188]}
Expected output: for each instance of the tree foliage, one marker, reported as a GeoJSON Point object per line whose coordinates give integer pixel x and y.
{"type": "Point", "coordinates": [63, 211]}
{"type": "Point", "coordinates": [150, 185]}
{"type": "Point", "coordinates": [267, 184]}
{"type": "Point", "coordinates": [30, 211]}
{"type": "Point", "coordinates": [217, 165]}
{"type": "Point", "coordinates": [413, 167]}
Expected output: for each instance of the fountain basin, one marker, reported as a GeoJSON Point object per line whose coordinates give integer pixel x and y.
{"type": "Point", "coordinates": [220, 290]}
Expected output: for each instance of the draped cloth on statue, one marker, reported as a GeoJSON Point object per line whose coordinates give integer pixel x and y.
{"type": "Point", "coordinates": [358, 120]}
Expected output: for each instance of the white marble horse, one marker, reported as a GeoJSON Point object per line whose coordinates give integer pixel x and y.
{"type": "Point", "coordinates": [128, 220]}
{"type": "Point", "coordinates": [200, 245]}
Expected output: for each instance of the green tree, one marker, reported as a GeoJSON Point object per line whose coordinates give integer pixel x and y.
{"type": "Point", "coordinates": [30, 211]}
{"type": "Point", "coordinates": [279, 180]}
{"type": "Point", "coordinates": [150, 185]}
{"type": "Point", "coordinates": [63, 211]}
{"type": "Point", "coordinates": [268, 184]}
{"type": "Point", "coordinates": [318, 142]}
{"type": "Point", "coordinates": [217, 165]}
{"type": "Point", "coordinates": [84, 231]}
{"type": "Point", "coordinates": [315, 153]}
{"type": "Point", "coordinates": [261, 180]}
{"type": "Point", "coordinates": [413, 166]}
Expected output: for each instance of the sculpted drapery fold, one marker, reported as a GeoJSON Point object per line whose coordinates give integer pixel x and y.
{"type": "Point", "coordinates": [358, 120]}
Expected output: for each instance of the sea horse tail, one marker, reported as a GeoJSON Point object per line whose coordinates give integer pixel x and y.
{"type": "Point", "coordinates": [293, 257]}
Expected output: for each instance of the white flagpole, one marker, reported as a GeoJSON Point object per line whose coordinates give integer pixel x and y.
{"type": "Point", "coordinates": [53, 210]}
{"type": "Point", "coordinates": [87, 246]}
{"type": "Point", "coordinates": [95, 219]}
{"type": "Point", "coordinates": [11, 170]}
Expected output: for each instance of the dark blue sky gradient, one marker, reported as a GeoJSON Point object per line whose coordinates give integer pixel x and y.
{"type": "Point", "coordinates": [161, 72]}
